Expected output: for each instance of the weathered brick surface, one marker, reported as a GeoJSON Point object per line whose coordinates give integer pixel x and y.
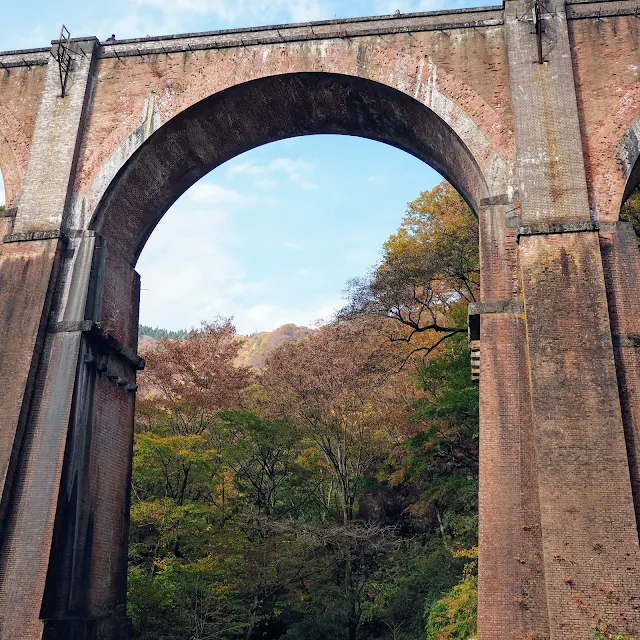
{"type": "Point", "coordinates": [621, 262]}
{"type": "Point", "coordinates": [607, 69]}
{"type": "Point", "coordinates": [55, 140]}
{"type": "Point", "coordinates": [589, 535]}
{"type": "Point", "coordinates": [460, 74]}
{"type": "Point", "coordinates": [265, 110]}
{"type": "Point", "coordinates": [512, 600]}
{"type": "Point", "coordinates": [544, 153]}
{"type": "Point", "coordinates": [26, 272]}
{"type": "Point", "coordinates": [20, 94]}
{"type": "Point", "coordinates": [90, 543]}
{"type": "Point", "coordinates": [550, 170]}
{"type": "Point", "coordinates": [27, 535]}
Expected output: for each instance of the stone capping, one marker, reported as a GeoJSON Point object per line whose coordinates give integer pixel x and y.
{"type": "Point", "coordinates": [95, 332]}
{"type": "Point", "coordinates": [8, 213]}
{"type": "Point", "coordinates": [27, 58]}
{"type": "Point", "coordinates": [31, 236]}
{"type": "Point", "coordinates": [580, 9]}
{"type": "Point", "coordinates": [304, 34]}
{"type": "Point", "coordinates": [626, 340]}
{"type": "Point", "coordinates": [501, 199]}
{"type": "Point", "coordinates": [314, 23]}
{"type": "Point", "coordinates": [550, 228]}
{"type": "Point", "coordinates": [544, 228]}
{"type": "Point", "coordinates": [513, 307]}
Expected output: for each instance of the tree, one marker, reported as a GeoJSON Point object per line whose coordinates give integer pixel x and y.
{"type": "Point", "coordinates": [188, 382]}
{"type": "Point", "coordinates": [429, 272]}
{"type": "Point", "coordinates": [329, 384]}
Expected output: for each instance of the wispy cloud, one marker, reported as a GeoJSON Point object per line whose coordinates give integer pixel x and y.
{"type": "Point", "coordinates": [292, 245]}
{"type": "Point", "coordinates": [285, 165]}
{"type": "Point", "coordinates": [214, 195]}
{"type": "Point", "coordinates": [265, 183]}
{"type": "Point", "coordinates": [296, 170]}
{"type": "Point", "coordinates": [231, 11]}
{"type": "Point", "coordinates": [305, 184]}
{"type": "Point", "coordinates": [272, 316]}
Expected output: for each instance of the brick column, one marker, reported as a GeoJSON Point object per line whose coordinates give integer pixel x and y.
{"type": "Point", "coordinates": [85, 595]}
{"type": "Point", "coordinates": [32, 364]}
{"type": "Point", "coordinates": [621, 261]}
{"type": "Point", "coordinates": [589, 537]}
{"type": "Point", "coordinates": [512, 601]}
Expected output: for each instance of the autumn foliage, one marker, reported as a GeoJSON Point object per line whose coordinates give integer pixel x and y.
{"type": "Point", "coordinates": [331, 493]}
{"type": "Point", "coordinates": [429, 272]}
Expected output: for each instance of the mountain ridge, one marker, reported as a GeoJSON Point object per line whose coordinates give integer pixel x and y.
{"type": "Point", "coordinates": [253, 352]}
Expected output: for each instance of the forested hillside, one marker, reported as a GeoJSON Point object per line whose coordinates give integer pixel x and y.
{"type": "Point", "coordinates": [325, 487]}
{"type": "Point", "coordinates": [252, 352]}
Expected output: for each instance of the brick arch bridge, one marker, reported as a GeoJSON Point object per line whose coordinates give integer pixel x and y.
{"type": "Point", "coordinates": [543, 152]}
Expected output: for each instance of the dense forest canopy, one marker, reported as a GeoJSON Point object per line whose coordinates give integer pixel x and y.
{"type": "Point", "coordinates": [321, 485]}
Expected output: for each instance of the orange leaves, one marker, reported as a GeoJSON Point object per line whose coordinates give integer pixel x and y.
{"type": "Point", "coordinates": [187, 382]}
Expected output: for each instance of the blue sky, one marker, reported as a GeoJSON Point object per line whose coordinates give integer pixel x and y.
{"type": "Point", "coordinates": [273, 234]}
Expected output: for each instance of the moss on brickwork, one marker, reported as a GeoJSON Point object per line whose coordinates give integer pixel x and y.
{"type": "Point", "coordinates": [599, 634]}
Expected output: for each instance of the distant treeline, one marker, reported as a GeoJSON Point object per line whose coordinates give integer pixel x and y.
{"type": "Point", "coordinates": [161, 334]}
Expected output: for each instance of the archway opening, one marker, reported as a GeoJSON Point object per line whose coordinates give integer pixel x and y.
{"type": "Point", "coordinates": [278, 230]}
{"type": "Point", "coordinates": [248, 115]}
{"type": "Point", "coordinates": [361, 533]}
{"type": "Point", "coordinates": [173, 159]}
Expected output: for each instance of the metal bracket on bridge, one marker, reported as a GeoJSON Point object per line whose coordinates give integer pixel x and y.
{"type": "Point", "coordinates": [537, 8]}
{"type": "Point", "coordinates": [63, 58]}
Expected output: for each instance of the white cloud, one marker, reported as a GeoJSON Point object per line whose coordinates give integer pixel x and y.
{"type": "Point", "coordinates": [232, 11]}
{"type": "Point", "coordinates": [296, 170]}
{"type": "Point", "coordinates": [265, 183]}
{"type": "Point", "coordinates": [377, 179]}
{"type": "Point", "coordinates": [271, 316]}
{"type": "Point", "coordinates": [285, 165]}
{"type": "Point", "coordinates": [305, 184]}
{"type": "Point", "coordinates": [214, 195]}
{"type": "Point", "coordinates": [190, 273]}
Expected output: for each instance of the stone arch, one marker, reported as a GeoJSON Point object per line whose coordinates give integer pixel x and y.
{"type": "Point", "coordinates": [271, 108]}
{"type": "Point", "coordinates": [619, 173]}
{"type": "Point", "coordinates": [628, 155]}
